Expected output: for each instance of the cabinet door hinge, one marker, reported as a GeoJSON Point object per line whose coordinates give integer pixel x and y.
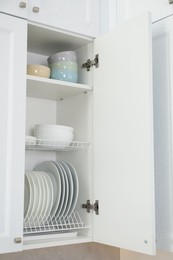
{"type": "Point", "coordinates": [171, 1]}
{"type": "Point", "coordinates": [91, 63]}
{"type": "Point", "coordinates": [88, 206]}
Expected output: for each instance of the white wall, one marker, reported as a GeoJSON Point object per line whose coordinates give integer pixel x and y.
{"type": "Point", "coordinates": [161, 255]}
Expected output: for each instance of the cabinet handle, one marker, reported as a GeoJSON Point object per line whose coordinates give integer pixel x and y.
{"type": "Point", "coordinates": [36, 9]}
{"type": "Point", "coordinates": [17, 240]}
{"type": "Point", "coordinates": [22, 5]}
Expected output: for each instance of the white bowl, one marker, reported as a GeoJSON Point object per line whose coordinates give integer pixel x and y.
{"type": "Point", "coordinates": [64, 65]}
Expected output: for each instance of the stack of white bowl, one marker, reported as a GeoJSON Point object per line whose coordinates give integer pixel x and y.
{"type": "Point", "coordinates": [64, 66]}
{"type": "Point", "coordinates": [59, 133]}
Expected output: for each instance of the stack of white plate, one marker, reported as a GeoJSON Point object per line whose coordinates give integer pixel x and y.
{"type": "Point", "coordinates": [51, 192]}
{"type": "Point", "coordinates": [59, 133]}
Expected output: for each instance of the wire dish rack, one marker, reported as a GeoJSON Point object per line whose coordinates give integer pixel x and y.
{"type": "Point", "coordinates": [53, 145]}
{"type": "Point", "coordinates": [52, 225]}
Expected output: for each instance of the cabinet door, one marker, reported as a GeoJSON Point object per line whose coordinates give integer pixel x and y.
{"type": "Point", "coordinates": [15, 7]}
{"type": "Point", "coordinates": [129, 8]}
{"type": "Point", "coordinates": [75, 15]}
{"type": "Point", "coordinates": [12, 117]}
{"type": "Point", "coordinates": [123, 138]}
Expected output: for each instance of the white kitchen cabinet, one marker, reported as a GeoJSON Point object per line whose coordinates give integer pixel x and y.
{"type": "Point", "coordinates": [121, 114]}
{"type": "Point", "coordinates": [15, 7]}
{"type": "Point", "coordinates": [127, 9]}
{"type": "Point", "coordinates": [83, 19]}
{"type": "Point", "coordinates": [12, 115]}
{"type": "Point", "coordinates": [110, 108]}
{"type": "Point", "coordinates": [75, 16]}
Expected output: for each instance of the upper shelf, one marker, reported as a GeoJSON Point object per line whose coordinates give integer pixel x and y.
{"type": "Point", "coordinates": [52, 40]}
{"type": "Point", "coordinates": [53, 89]}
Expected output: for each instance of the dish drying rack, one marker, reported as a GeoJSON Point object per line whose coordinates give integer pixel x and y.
{"type": "Point", "coordinates": [53, 145]}
{"type": "Point", "coordinates": [52, 225]}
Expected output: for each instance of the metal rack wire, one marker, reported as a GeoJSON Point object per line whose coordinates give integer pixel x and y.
{"type": "Point", "coordinates": [53, 145]}
{"type": "Point", "coordinates": [52, 225]}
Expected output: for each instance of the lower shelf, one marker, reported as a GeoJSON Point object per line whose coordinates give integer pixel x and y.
{"type": "Point", "coordinates": [63, 225]}
{"type": "Point", "coordinates": [51, 240]}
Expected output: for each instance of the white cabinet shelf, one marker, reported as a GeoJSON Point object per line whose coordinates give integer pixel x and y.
{"type": "Point", "coordinates": [53, 145]}
{"type": "Point", "coordinates": [53, 89]}
{"type": "Point", "coordinates": [52, 40]}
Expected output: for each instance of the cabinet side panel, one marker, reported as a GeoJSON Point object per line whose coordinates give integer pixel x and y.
{"type": "Point", "coordinates": [123, 138]}
{"type": "Point", "coordinates": [163, 80]}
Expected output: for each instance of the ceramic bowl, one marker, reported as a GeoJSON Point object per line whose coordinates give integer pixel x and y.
{"type": "Point", "coordinates": [65, 65]}
{"type": "Point", "coordinates": [62, 56]}
{"type": "Point", "coordinates": [38, 70]}
{"type": "Point", "coordinates": [64, 75]}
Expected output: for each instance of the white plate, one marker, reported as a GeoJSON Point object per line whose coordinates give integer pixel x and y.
{"type": "Point", "coordinates": [49, 197]}
{"type": "Point", "coordinates": [29, 215]}
{"type": "Point", "coordinates": [43, 197]}
{"type": "Point", "coordinates": [71, 188]}
{"type": "Point", "coordinates": [61, 203]}
{"type": "Point", "coordinates": [26, 196]}
{"type": "Point", "coordinates": [76, 187]}
{"type": "Point", "coordinates": [36, 204]}
{"type": "Point", "coordinates": [30, 198]}
{"type": "Point", "coordinates": [52, 170]}
{"type": "Point", "coordinates": [55, 193]}
{"type": "Point", "coordinates": [65, 191]}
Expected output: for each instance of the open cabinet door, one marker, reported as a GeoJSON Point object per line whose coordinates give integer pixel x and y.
{"type": "Point", "coordinates": [123, 138]}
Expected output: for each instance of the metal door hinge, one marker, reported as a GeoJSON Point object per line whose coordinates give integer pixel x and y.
{"type": "Point", "coordinates": [91, 63]}
{"type": "Point", "coordinates": [88, 206]}
{"type": "Point", "coordinates": [171, 1]}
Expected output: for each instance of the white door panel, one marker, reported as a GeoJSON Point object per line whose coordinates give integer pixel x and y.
{"type": "Point", "coordinates": [14, 7]}
{"type": "Point", "coordinates": [12, 118]}
{"type": "Point", "coordinates": [76, 16]}
{"type": "Point", "coordinates": [123, 138]}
